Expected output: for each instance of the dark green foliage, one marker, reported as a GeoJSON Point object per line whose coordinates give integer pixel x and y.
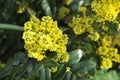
{"type": "Point", "coordinates": [104, 75]}
{"type": "Point", "coordinates": [82, 62]}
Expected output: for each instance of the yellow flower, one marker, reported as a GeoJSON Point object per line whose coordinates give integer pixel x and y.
{"type": "Point", "coordinates": [42, 36]}
{"type": "Point", "coordinates": [68, 69]}
{"type": "Point", "coordinates": [81, 24]}
{"type": "Point", "coordinates": [21, 8]}
{"type": "Point", "coordinates": [106, 63]}
{"type": "Point", "coordinates": [106, 41]}
{"type": "Point", "coordinates": [94, 36]}
{"type": "Point", "coordinates": [102, 51]}
{"type": "Point", "coordinates": [105, 9]}
{"type": "Point", "coordinates": [82, 9]}
{"type": "Point", "coordinates": [108, 54]}
{"type": "Point", "coordinates": [53, 69]}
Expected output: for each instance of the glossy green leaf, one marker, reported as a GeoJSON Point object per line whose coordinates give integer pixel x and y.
{"type": "Point", "coordinates": [37, 67]}
{"type": "Point", "coordinates": [60, 73]}
{"type": "Point", "coordinates": [52, 63]}
{"type": "Point", "coordinates": [87, 2]}
{"type": "Point", "coordinates": [13, 61]}
{"type": "Point", "coordinates": [17, 59]}
{"type": "Point", "coordinates": [67, 76]}
{"type": "Point", "coordinates": [4, 72]}
{"type": "Point", "coordinates": [30, 67]}
{"type": "Point", "coordinates": [22, 57]}
{"type": "Point", "coordinates": [46, 7]}
{"type": "Point", "coordinates": [83, 67]}
{"type": "Point", "coordinates": [113, 27]}
{"type": "Point", "coordinates": [21, 71]}
{"type": "Point", "coordinates": [47, 74]}
{"type": "Point", "coordinates": [42, 74]}
{"type": "Point", "coordinates": [88, 48]}
{"type": "Point", "coordinates": [14, 72]}
{"type": "Point", "coordinates": [75, 56]}
{"type": "Point", "coordinates": [11, 27]}
{"type": "Point", "coordinates": [105, 75]}
{"type": "Point", "coordinates": [73, 77]}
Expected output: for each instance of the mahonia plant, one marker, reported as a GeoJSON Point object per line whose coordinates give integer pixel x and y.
{"type": "Point", "coordinates": [44, 39]}
{"type": "Point", "coordinates": [100, 23]}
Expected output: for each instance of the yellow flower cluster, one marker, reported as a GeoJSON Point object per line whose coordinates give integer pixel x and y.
{"type": "Point", "coordinates": [21, 8]}
{"type": "Point", "coordinates": [98, 18]}
{"type": "Point", "coordinates": [106, 63]}
{"type": "Point", "coordinates": [68, 69]}
{"type": "Point", "coordinates": [106, 9]}
{"type": "Point", "coordinates": [94, 36]}
{"type": "Point", "coordinates": [106, 41]}
{"type": "Point", "coordinates": [42, 36]}
{"type": "Point", "coordinates": [82, 9]}
{"type": "Point", "coordinates": [81, 25]}
{"type": "Point", "coordinates": [53, 69]}
{"type": "Point", "coordinates": [108, 53]}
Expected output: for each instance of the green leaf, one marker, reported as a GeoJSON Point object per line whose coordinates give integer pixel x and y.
{"type": "Point", "coordinates": [63, 28]}
{"type": "Point", "coordinates": [13, 61]}
{"type": "Point", "coordinates": [17, 59]}
{"type": "Point", "coordinates": [22, 57]}
{"type": "Point", "coordinates": [42, 74]}
{"type": "Point", "coordinates": [67, 76]}
{"type": "Point", "coordinates": [30, 67]}
{"type": "Point", "coordinates": [104, 75]}
{"type": "Point", "coordinates": [87, 2]}
{"type": "Point", "coordinates": [87, 48]}
{"type": "Point", "coordinates": [4, 72]}
{"type": "Point", "coordinates": [37, 67]}
{"type": "Point", "coordinates": [113, 27]}
{"type": "Point", "coordinates": [83, 67]}
{"type": "Point", "coordinates": [47, 74]}
{"type": "Point", "coordinates": [75, 56]}
{"type": "Point", "coordinates": [15, 66]}
{"type": "Point", "coordinates": [11, 27]}
{"type": "Point", "coordinates": [21, 72]}
{"type": "Point", "coordinates": [59, 75]}
{"type": "Point", "coordinates": [74, 6]}
{"type": "Point", "coordinates": [52, 63]}
{"type": "Point", "coordinates": [46, 7]}
{"type": "Point", "coordinates": [73, 77]}
{"type": "Point", "coordinates": [14, 72]}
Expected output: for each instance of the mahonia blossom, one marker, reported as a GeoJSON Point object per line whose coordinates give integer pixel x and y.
{"type": "Point", "coordinates": [94, 36]}
{"type": "Point", "coordinates": [104, 27]}
{"type": "Point", "coordinates": [81, 25]}
{"type": "Point", "coordinates": [82, 9]}
{"type": "Point", "coordinates": [108, 53]}
{"type": "Point", "coordinates": [42, 36]}
{"type": "Point", "coordinates": [106, 41]}
{"type": "Point", "coordinates": [106, 63]}
{"type": "Point", "coordinates": [21, 8]}
{"type": "Point", "coordinates": [53, 69]}
{"type": "Point", "coordinates": [105, 9]}
{"type": "Point", "coordinates": [68, 69]}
